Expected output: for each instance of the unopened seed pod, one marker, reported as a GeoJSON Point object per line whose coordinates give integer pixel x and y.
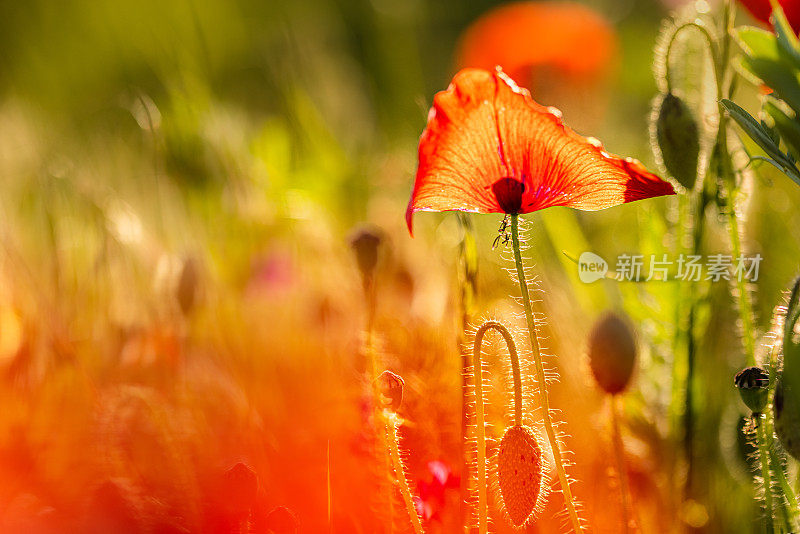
{"type": "Point", "coordinates": [753, 385]}
{"type": "Point", "coordinates": [677, 139]}
{"type": "Point", "coordinates": [787, 419]}
{"type": "Point", "coordinates": [365, 242]}
{"type": "Point", "coordinates": [612, 353]}
{"type": "Point", "coordinates": [390, 387]}
{"type": "Point", "coordinates": [519, 467]}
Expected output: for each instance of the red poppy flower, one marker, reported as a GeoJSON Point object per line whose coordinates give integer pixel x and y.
{"type": "Point", "coordinates": [489, 148]}
{"type": "Point", "coordinates": [761, 10]}
{"type": "Point", "coordinates": [522, 37]}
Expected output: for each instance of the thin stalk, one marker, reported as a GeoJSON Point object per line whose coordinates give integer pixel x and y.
{"type": "Point", "coordinates": [480, 421]}
{"type": "Point", "coordinates": [543, 397]}
{"type": "Point", "coordinates": [400, 473]}
{"type": "Point", "coordinates": [718, 54]}
{"type": "Point", "coordinates": [372, 364]}
{"type": "Point", "coordinates": [764, 456]}
{"type": "Point", "coordinates": [468, 288]}
{"type": "Point", "coordinates": [679, 369]}
{"type": "Point", "coordinates": [369, 292]}
{"type": "Point", "coordinates": [330, 492]}
{"type": "Point", "coordinates": [701, 201]}
{"type": "Point", "coordinates": [744, 303]}
{"type": "Point", "coordinates": [480, 431]}
{"type": "Point", "coordinates": [619, 454]}
{"type": "Point", "coordinates": [789, 507]}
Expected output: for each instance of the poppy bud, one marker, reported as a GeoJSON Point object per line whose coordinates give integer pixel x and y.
{"type": "Point", "coordinates": [519, 467]}
{"type": "Point", "coordinates": [787, 420]}
{"type": "Point", "coordinates": [186, 292]}
{"type": "Point", "coordinates": [612, 353]}
{"type": "Point", "coordinates": [753, 384]}
{"type": "Point", "coordinates": [390, 387]}
{"type": "Point", "coordinates": [677, 139]}
{"type": "Point", "coordinates": [365, 242]}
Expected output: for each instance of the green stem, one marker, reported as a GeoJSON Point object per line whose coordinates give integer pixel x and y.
{"type": "Point", "coordinates": [743, 301]}
{"type": "Point", "coordinates": [392, 422]}
{"type": "Point", "coordinates": [789, 507]}
{"type": "Point", "coordinates": [543, 397]}
{"type": "Point", "coordinates": [480, 421]}
{"type": "Point", "coordinates": [764, 456]}
{"type": "Point", "coordinates": [701, 201]}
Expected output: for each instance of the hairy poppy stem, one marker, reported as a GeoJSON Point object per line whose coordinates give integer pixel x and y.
{"type": "Point", "coordinates": [468, 282]}
{"type": "Point", "coordinates": [392, 422]}
{"type": "Point", "coordinates": [480, 419]}
{"type": "Point", "coordinates": [543, 397]}
{"type": "Point", "coordinates": [764, 455]}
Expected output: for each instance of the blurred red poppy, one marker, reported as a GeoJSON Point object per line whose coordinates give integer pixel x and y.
{"type": "Point", "coordinates": [489, 148]}
{"type": "Point", "coordinates": [761, 9]}
{"type": "Point", "coordinates": [523, 37]}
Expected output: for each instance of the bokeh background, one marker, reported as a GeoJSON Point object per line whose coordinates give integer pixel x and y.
{"type": "Point", "coordinates": [181, 315]}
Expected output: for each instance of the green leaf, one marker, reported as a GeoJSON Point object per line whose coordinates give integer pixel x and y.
{"type": "Point", "coordinates": [754, 129]}
{"type": "Point", "coordinates": [756, 42]}
{"type": "Point", "coordinates": [788, 43]}
{"type": "Point", "coordinates": [788, 127]}
{"type": "Point", "coordinates": [778, 75]}
{"type": "Point", "coordinates": [772, 132]}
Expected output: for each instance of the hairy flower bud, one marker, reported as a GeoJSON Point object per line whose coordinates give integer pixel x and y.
{"type": "Point", "coordinates": [677, 139]}
{"type": "Point", "coordinates": [612, 353]}
{"type": "Point", "coordinates": [753, 385]}
{"type": "Point", "coordinates": [520, 472]}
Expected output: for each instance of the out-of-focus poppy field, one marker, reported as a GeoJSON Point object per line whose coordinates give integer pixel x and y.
{"type": "Point", "coordinates": [365, 266]}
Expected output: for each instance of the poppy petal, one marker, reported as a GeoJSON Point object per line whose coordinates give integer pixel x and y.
{"type": "Point", "coordinates": [762, 9]}
{"type": "Point", "coordinates": [520, 37]}
{"type": "Point", "coordinates": [489, 148]}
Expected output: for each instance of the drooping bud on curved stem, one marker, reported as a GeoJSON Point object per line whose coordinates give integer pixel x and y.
{"type": "Point", "coordinates": [480, 421]}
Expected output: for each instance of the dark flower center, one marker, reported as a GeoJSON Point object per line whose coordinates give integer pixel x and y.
{"type": "Point", "coordinates": [508, 192]}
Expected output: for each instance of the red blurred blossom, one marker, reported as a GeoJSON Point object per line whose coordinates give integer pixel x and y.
{"type": "Point", "coordinates": [524, 36]}
{"type": "Point", "coordinates": [433, 492]}
{"type": "Point", "coordinates": [489, 148]}
{"type": "Point", "coordinates": [762, 9]}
